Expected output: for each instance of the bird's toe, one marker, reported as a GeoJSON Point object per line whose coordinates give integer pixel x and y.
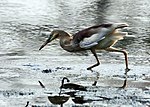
{"type": "Point", "coordinates": [88, 68]}
{"type": "Point", "coordinates": [127, 70]}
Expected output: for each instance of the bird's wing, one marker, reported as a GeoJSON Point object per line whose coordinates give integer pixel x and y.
{"type": "Point", "coordinates": [90, 37]}
{"type": "Point", "coordinates": [95, 38]}
{"type": "Point", "coordinates": [88, 32]}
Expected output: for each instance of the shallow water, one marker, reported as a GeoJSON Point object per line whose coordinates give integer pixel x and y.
{"type": "Point", "coordinates": [22, 64]}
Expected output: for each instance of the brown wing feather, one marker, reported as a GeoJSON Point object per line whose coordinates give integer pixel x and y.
{"type": "Point", "coordinates": [88, 32]}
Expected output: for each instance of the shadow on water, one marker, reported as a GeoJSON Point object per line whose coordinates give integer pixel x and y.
{"type": "Point", "coordinates": [58, 100]}
{"type": "Point", "coordinates": [124, 82]}
{"type": "Point", "coordinates": [80, 95]}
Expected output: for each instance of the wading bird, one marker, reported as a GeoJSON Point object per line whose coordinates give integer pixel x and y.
{"type": "Point", "coordinates": [99, 37]}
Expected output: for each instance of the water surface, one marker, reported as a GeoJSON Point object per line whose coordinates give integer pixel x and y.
{"type": "Point", "coordinates": [22, 63]}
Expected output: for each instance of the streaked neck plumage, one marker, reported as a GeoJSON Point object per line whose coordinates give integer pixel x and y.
{"type": "Point", "coordinates": [66, 42]}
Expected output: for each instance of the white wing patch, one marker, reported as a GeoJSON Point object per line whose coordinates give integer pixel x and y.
{"type": "Point", "coordinates": [91, 41]}
{"type": "Point", "coordinates": [94, 39]}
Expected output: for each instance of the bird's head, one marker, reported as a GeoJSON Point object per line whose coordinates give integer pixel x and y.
{"type": "Point", "coordinates": [53, 35]}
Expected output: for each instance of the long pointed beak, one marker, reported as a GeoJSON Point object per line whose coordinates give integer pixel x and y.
{"type": "Point", "coordinates": [47, 41]}
{"type": "Point", "coordinates": [51, 38]}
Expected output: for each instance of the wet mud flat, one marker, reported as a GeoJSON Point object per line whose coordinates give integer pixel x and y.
{"type": "Point", "coordinates": [20, 87]}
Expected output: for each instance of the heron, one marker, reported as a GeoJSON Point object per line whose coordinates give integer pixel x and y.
{"type": "Point", "coordinates": [97, 37]}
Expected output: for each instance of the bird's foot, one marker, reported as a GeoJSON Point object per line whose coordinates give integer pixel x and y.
{"type": "Point", "coordinates": [89, 68]}
{"type": "Point", "coordinates": [127, 70]}
{"type": "Point", "coordinates": [94, 84]}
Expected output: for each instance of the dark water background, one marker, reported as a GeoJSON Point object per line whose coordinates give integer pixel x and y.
{"type": "Point", "coordinates": [21, 63]}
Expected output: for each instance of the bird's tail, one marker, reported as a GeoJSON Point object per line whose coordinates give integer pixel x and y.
{"type": "Point", "coordinates": [118, 35]}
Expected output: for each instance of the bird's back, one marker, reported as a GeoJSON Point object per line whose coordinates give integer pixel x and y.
{"type": "Point", "coordinates": [89, 37]}
{"type": "Point", "coordinates": [100, 36]}
{"type": "Point", "coordinates": [88, 32]}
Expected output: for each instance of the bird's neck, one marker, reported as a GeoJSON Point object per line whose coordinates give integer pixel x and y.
{"type": "Point", "coordinates": [66, 42]}
{"type": "Point", "coordinates": [62, 82]}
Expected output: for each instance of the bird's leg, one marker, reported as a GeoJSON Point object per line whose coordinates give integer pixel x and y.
{"type": "Point", "coordinates": [94, 53]}
{"type": "Point", "coordinates": [125, 81]}
{"type": "Point", "coordinates": [111, 49]}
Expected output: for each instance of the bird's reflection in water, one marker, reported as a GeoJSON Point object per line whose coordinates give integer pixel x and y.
{"type": "Point", "coordinates": [71, 85]}
{"type": "Point", "coordinates": [74, 93]}
{"type": "Point", "coordinates": [125, 81]}
{"type": "Point", "coordinates": [82, 99]}
{"type": "Point", "coordinates": [98, 75]}
{"type": "Point", "coordinates": [64, 97]}
{"type": "Point", "coordinates": [58, 100]}
{"type": "Point", "coordinates": [75, 87]}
